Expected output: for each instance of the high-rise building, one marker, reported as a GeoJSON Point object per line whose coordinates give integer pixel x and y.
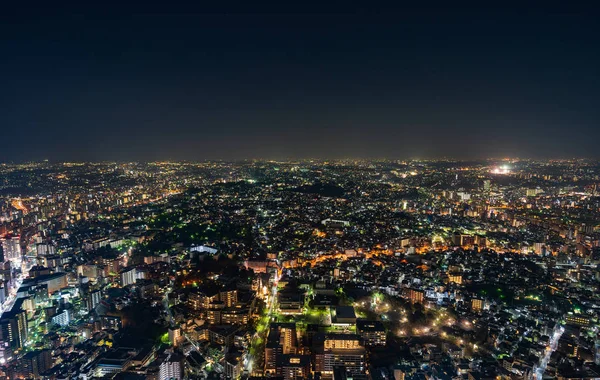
{"type": "Point", "coordinates": [343, 350]}
{"type": "Point", "coordinates": [34, 363]}
{"type": "Point", "coordinates": [63, 318]}
{"type": "Point", "coordinates": [128, 276]}
{"type": "Point", "coordinates": [293, 366]}
{"type": "Point", "coordinates": [416, 296]}
{"type": "Point", "coordinates": [53, 281]}
{"type": "Point", "coordinates": [235, 315]}
{"type": "Point", "coordinates": [455, 278]}
{"type": "Point", "coordinates": [223, 335]}
{"type": "Point", "coordinates": [44, 249]}
{"type": "Point", "coordinates": [282, 340]}
{"type": "Point", "coordinates": [174, 335]}
{"type": "Point", "coordinates": [229, 297]}
{"type": "Point", "coordinates": [13, 326]}
{"type": "Point", "coordinates": [372, 332]}
{"type": "Point", "coordinates": [233, 366]}
{"type": "Point", "coordinates": [93, 299]}
{"type": "Point", "coordinates": [476, 304]}
{"type": "Point", "coordinates": [171, 368]}
{"type": "Point", "coordinates": [200, 300]}
{"type": "Point", "coordinates": [12, 248]}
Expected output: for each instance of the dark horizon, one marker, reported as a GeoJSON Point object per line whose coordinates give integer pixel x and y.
{"type": "Point", "coordinates": [185, 84]}
{"type": "Point", "coordinates": [287, 160]}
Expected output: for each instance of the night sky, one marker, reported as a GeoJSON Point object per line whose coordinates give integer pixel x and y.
{"type": "Point", "coordinates": [147, 83]}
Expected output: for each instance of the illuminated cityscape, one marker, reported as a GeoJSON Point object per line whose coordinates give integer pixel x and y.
{"type": "Point", "coordinates": [272, 190]}
{"type": "Point", "coordinates": [301, 269]}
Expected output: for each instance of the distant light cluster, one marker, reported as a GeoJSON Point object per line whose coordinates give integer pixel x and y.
{"type": "Point", "coordinates": [503, 170]}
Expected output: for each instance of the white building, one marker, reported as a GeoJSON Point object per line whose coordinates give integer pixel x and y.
{"type": "Point", "coordinates": [171, 368]}
{"type": "Point", "coordinates": [44, 249]}
{"type": "Point", "coordinates": [62, 319]}
{"type": "Point", "coordinates": [12, 248]}
{"type": "Point", "coordinates": [203, 248]}
{"type": "Point", "coordinates": [93, 299]}
{"type": "Point", "coordinates": [128, 276]}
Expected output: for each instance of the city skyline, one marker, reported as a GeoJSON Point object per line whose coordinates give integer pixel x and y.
{"type": "Point", "coordinates": [286, 160]}
{"type": "Point", "coordinates": [300, 270]}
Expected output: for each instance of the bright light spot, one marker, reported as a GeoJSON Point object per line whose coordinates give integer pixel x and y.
{"type": "Point", "coordinates": [501, 170]}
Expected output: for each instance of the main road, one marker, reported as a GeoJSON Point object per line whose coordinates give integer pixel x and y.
{"type": "Point", "coordinates": [541, 368]}
{"type": "Point", "coordinates": [261, 336]}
